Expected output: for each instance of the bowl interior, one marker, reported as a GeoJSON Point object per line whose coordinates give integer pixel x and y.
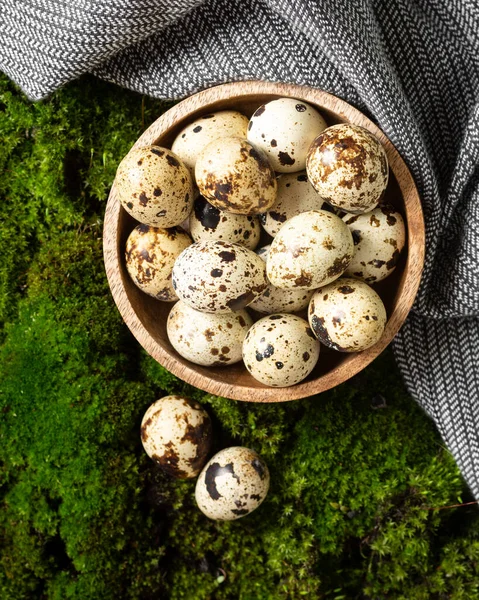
{"type": "Point", "coordinates": [147, 316]}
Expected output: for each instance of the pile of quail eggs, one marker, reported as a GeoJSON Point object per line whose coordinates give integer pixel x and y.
{"type": "Point", "coordinates": [176, 433]}
{"type": "Point", "coordinates": [314, 194]}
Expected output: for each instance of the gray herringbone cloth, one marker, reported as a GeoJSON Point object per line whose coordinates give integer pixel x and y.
{"type": "Point", "coordinates": [411, 65]}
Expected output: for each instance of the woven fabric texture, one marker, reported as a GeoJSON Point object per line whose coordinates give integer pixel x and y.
{"type": "Point", "coordinates": [411, 65]}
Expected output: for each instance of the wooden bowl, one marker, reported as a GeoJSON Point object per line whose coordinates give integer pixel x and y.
{"type": "Point", "coordinates": [146, 317]}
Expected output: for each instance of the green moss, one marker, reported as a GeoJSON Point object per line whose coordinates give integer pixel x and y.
{"type": "Point", "coordinates": [356, 473]}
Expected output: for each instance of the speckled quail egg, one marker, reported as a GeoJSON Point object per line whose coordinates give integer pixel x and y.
{"type": "Point", "coordinates": [379, 237]}
{"type": "Point", "coordinates": [218, 277]}
{"type": "Point", "coordinates": [235, 176]}
{"type": "Point", "coordinates": [280, 350]}
{"type": "Point", "coordinates": [194, 137]}
{"type": "Point", "coordinates": [209, 223]}
{"type": "Point", "coordinates": [285, 129]}
{"type": "Point", "coordinates": [347, 315]}
{"type": "Point", "coordinates": [207, 339]}
{"type": "Point", "coordinates": [348, 167]}
{"type": "Point", "coordinates": [310, 250]}
{"type": "Point", "coordinates": [154, 186]}
{"type": "Point", "coordinates": [233, 484]}
{"type": "Point", "coordinates": [275, 300]}
{"type": "Point", "coordinates": [295, 196]}
{"type": "Point", "coordinates": [150, 255]}
{"type": "Point", "coordinates": [176, 434]}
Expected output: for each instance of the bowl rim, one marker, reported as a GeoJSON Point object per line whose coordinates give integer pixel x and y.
{"type": "Point", "coordinates": [185, 110]}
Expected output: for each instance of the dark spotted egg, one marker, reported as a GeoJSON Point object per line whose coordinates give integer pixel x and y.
{"type": "Point", "coordinates": [194, 137]}
{"type": "Point", "coordinates": [209, 223]}
{"type": "Point", "coordinates": [274, 299]}
{"type": "Point", "coordinates": [218, 277]}
{"type": "Point", "coordinates": [347, 315]}
{"type": "Point", "coordinates": [150, 255]}
{"type": "Point", "coordinates": [280, 350]}
{"type": "Point", "coordinates": [348, 167]}
{"type": "Point", "coordinates": [295, 196]}
{"type": "Point", "coordinates": [379, 238]}
{"type": "Point", "coordinates": [310, 250]}
{"type": "Point", "coordinates": [154, 186]}
{"type": "Point", "coordinates": [236, 177]}
{"type": "Point", "coordinates": [285, 129]}
{"type": "Point", "coordinates": [207, 339]}
{"type": "Point", "coordinates": [176, 434]}
{"type": "Point", "coordinates": [233, 484]}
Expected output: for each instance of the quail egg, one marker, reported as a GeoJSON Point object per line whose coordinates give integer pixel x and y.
{"type": "Point", "coordinates": [347, 315]}
{"type": "Point", "coordinates": [310, 250]}
{"type": "Point", "coordinates": [285, 129]}
{"type": "Point", "coordinates": [154, 186]}
{"type": "Point", "coordinates": [348, 167]}
{"type": "Point", "coordinates": [275, 300]}
{"type": "Point", "coordinates": [233, 484]}
{"type": "Point", "coordinates": [379, 237]}
{"type": "Point", "coordinates": [150, 255]}
{"type": "Point", "coordinates": [280, 350]}
{"type": "Point", "coordinates": [207, 339]}
{"type": "Point", "coordinates": [194, 137]}
{"type": "Point", "coordinates": [209, 223]}
{"type": "Point", "coordinates": [235, 176]}
{"type": "Point", "coordinates": [218, 277]}
{"type": "Point", "coordinates": [295, 195]}
{"type": "Point", "coordinates": [176, 434]}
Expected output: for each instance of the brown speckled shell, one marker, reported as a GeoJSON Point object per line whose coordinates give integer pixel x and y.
{"type": "Point", "coordinates": [295, 196]}
{"type": "Point", "coordinates": [233, 484]}
{"type": "Point", "coordinates": [280, 350]}
{"type": "Point", "coordinates": [176, 434]}
{"type": "Point", "coordinates": [207, 339]}
{"type": "Point", "coordinates": [310, 250]}
{"type": "Point", "coordinates": [276, 300]}
{"type": "Point", "coordinates": [379, 238]}
{"type": "Point", "coordinates": [284, 129]}
{"type": "Point", "coordinates": [235, 176]}
{"type": "Point", "coordinates": [210, 223]}
{"type": "Point", "coordinates": [150, 255]}
{"type": "Point", "coordinates": [347, 315]}
{"type": "Point", "coordinates": [197, 135]}
{"type": "Point", "coordinates": [218, 277]}
{"type": "Point", "coordinates": [154, 186]}
{"type": "Point", "coordinates": [348, 167]}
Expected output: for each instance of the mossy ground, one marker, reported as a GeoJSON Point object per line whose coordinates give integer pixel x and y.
{"type": "Point", "coordinates": [356, 472]}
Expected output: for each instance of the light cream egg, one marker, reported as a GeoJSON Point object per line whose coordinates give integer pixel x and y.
{"type": "Point", "coordinates": [285, 129]}
{"type": "Point", "coordinates": [233, 484]}
{"type": "Point", "coordinates": [218, 277]}
{"type": "Point", "coordinates": [236, 177]}
{"type": "Point", "coordinates": [176, 434]}
{"type": "Point", "coordinates": [194, 137]}
{"type": "Point", "coordinates": [295, 196]}
{"type": "Point", "coordinates": [207, 339]}
{"type": "Point", "coordinates": [347, 315]}
{"type": "Point", "coordinates": [310, 250]}
{"type": "Point", "coordinates": [154, 186]}
{"type": "Point", "coordinates": [209, 223]}
{"type": "Point", "coordinates": [280, 350]}
{"type": "Point", "coordinates": [150, 255]}
{"type": "Point", "coordinates": [275, 300]}
{"type": "Point", "coordinates": [379, 238]}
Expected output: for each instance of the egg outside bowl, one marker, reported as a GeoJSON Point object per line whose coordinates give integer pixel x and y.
{"type": "Point", "coordinates": [146, 317]}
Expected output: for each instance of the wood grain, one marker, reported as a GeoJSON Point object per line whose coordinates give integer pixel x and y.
{"type": "Point", "coordinates": [146, 317]}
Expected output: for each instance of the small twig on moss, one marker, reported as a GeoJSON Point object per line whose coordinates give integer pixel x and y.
{"type": "Point", "coordinates": [451, 506]}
